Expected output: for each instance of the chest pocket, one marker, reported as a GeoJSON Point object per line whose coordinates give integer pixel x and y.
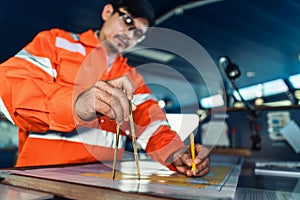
{"type": "Point", "coordinates": [68, 67]}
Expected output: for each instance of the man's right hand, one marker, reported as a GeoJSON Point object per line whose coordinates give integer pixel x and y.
{"type": "Point", "coordinates": [110, 98]}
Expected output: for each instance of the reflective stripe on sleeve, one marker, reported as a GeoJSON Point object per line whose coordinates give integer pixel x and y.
{"type": "Point", "coordinates": [145, 136]}
{"type": "Point", "coordinates": [67, 45]}
{"type": "Point", "coordinates": [42, 63]}
{"type": "Point", "coordinates": [141, 98]}
{"type": "Point", "coordinates": [96, 137]}
{"type": "Point", "coordinates": [4, 111]}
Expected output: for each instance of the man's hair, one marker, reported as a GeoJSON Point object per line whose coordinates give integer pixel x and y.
{"type": "Point", "coordinates": [137, 8]}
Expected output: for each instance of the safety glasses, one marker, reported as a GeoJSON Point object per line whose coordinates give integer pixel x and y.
{"type": "Point", "coordinates": [127, 22]}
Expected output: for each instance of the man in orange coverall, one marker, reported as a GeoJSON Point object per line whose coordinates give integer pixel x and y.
{"type": "Point", "coordinates": [65, 115]}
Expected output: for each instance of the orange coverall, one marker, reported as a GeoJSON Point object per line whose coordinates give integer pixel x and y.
{"type": "Point", "coordinates": [37, 86]}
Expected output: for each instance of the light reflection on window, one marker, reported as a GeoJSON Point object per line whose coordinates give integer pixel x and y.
{"type": "Point", "coordinates": [212, 101]}
{"type": "Point", "coordinates": [262, 90]}
{"type": "Point", "coordinates": [295, 81]}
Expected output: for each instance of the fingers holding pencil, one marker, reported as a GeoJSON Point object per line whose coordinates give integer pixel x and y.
{"type": "Point", "coordinates": [183, 161]}
{"type": "Point", "coordinates": [202, 160]}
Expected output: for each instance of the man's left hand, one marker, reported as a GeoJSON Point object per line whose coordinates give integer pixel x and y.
{"type": "Point", "coordinates": [183, 161]}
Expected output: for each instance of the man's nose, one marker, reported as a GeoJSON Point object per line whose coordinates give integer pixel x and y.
{"type": "Point", "coordinates": [129, 33]}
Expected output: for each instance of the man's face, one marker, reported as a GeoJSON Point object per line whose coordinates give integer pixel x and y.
{"type": "Point", "coordinates": [122, 31]}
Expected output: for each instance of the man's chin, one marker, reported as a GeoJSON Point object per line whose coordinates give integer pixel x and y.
{"type": "Point", "coordinates": [111, 49]}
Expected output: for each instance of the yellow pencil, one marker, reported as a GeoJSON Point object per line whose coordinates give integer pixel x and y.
{"type": "Point", "coordinates": [193, 153]}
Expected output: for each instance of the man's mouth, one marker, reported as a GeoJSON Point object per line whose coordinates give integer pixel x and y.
{"type": "Point", "coordinates": [122, 41]}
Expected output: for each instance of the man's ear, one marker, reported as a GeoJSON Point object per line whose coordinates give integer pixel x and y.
{"type": "Point", "coordinates": [107, 11]}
